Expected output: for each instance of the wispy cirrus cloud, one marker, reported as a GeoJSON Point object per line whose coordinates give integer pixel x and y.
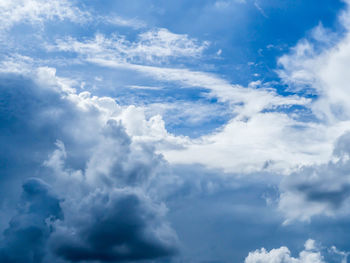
{"type": "Point", "coordinates": [155, 46]}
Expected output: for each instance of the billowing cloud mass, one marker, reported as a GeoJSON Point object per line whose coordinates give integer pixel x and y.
{"type": "Point", "coordinates": [158, 131]}
{"type": "Point", "coordinates": [87, 196]}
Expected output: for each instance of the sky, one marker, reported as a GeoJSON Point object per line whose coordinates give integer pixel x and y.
{"type": "Point", "coordinates": [189, 131]}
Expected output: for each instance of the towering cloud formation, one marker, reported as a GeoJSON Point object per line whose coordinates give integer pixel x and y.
{"type": "Point", "coordinates": [89, 198]}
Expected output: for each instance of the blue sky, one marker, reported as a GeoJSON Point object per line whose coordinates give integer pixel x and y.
{"type": "Point", "coordinates": [209, 131]}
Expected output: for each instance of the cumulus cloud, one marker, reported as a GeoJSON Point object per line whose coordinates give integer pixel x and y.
{"type": "Point", "coordinates": [90, 169]}
{"type": "Point", "coordinates": [90, 198]}
{"type": "Point", "coordinates": [311, 254]}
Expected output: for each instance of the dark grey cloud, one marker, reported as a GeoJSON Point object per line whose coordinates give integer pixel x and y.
{"type": "Point", "coordinates": [118, 226]}
{"type": "Point", "coordinates": [26, 237]}
{"type": "Point", "coordinates": [85, 194]}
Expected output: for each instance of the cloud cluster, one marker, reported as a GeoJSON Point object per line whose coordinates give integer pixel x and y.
{"type": "Point", "coordinates": [310, 254]}
{"type": "Point", "coordinates": [91, 174]}
{"type": "Point", "coordinates": [85, 183]}
{"type": "Point", "coordinates": [260, 126]}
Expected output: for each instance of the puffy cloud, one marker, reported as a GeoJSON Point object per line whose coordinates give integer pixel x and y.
{"type": "Point", "coordinates": [310, 254]}
{"type": "Point", "coordinates": [101, 177]}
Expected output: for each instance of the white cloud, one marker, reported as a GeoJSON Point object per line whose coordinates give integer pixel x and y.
{"type": "Point", "coordinates": [189, 112]}
{"type": "Point", "coordinates": [261, 134]}
{"type": "Point", "coordinates": [310, 254]}
{"type": "Point", "coordinates": [37, 11]}
{"type": "Point", "coordinates": [16, 64]}
{"type": "Point", "coordinates": [155, 46]}
{"type": "Point", "coordinates": [251, 139]}
{"type": "Point", "coordinates": [265, 142]}
{"type": "Point", "coordinates": [320, 64]}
